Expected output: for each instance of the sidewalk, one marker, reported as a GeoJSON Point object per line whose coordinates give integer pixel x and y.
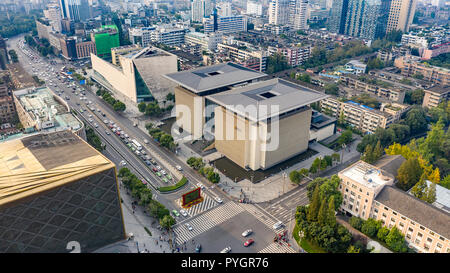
{"type": "Point", "coordinates": [135, 223]}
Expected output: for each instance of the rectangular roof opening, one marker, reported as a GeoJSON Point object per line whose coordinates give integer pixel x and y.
{"type": "Point", "coordinates": [214, 73]}
{"type": "Point", "coordinates": [267, 95]}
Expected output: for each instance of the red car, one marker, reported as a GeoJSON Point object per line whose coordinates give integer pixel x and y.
{"type": "Point", "coordinates": [249, 242]}
{"type": "Point", "coordinates": [155, 170]}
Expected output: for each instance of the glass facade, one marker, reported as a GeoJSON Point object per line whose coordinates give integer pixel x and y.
{"type": "Point", "coordinates": [87, 211]}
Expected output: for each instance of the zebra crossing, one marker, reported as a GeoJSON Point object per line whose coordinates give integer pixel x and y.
{"type": "Point", "coordinates": [277, 248]}
{"type": "Point", "coordinates": [261, 217]}
{"type": "Point", "coordinates": [206, 221]}
{"type": "Point", "coordinates": [207, 204]}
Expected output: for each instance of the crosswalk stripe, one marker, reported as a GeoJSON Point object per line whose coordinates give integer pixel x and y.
{"type": "Point", "coordinates": [207, 203]}
{"type": "Point", "coordinates": [206, 221]}
{"type": "Point", "coordinates": [277, 248]}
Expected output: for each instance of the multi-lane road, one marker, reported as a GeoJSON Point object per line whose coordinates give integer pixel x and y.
{"type": "Point", "coordinates": [210, 218]}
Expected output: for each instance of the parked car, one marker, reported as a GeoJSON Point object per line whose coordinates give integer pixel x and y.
{"type": "Point", "coordinates": [200, 185]}
{"type": "Point", "coordinates": [249, 242]}
{"type": "Point", "coordinates": [218, 200]}
{"type": "Point", "coordinates": [247, 232]}
{"type": "Point", "coordinates": [179, 168]}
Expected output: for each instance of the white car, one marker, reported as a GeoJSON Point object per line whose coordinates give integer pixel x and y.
{"type": "Point", "coordinates": [107, 132]}
{"type": "Point", "coordinates": [247, 232]}
{"type": "Point", "coordinates": [200, 185]}
{"type": "Point", "coordinates": [123, 163]}
{"type": "Point", "coordinates": [105, 121]}
{"type": "Point", "coordinates": [95, 125]}
{"type": "Point", "coordinates": [218, 200]}
{"type": "Point", "coordinates": [179, 168]}
{"type": "Point", "coordinates": [158, 168]}
{"type": "Point", "coordinates": [189, 227]}
{"type": "Point", "coordinates": [277, 225]}
{"type": "Point", "coordinates": [91, 120]}
{"type": "Point", "coordinates": [163, 172]}
{"type": "Point", "coordinates": [226, 250]}
{"type": "Point", "coordinates": [183, 212]}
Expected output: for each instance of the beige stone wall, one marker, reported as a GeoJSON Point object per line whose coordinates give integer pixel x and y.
{"type": "Point", "coordinates": [362, 197]}
{"type": "Point", "coordinates": [419, 237]}
{"type": "Point", "coordinates": [293, 138]}
{"type": "Point", "coordinates": [122, 81]}
{"type": "Point", "coordinates": [229, 140]}
{"type": "Point", "coordinates": [189, 111]}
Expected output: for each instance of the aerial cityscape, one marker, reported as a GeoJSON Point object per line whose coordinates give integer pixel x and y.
{"type": "Point", "coordinates": [224, 126]}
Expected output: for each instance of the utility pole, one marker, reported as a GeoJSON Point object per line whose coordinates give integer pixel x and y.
{"type": "Point", "coordinates": [284, 180]}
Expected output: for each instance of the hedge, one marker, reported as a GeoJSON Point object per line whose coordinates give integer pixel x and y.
{"type": "Point", "coordinates": [178, 185]}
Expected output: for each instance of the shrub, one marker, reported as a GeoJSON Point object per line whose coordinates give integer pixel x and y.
{"type": "Point", "coordinates": [356, 222]}
{"type": "Point", "coordinates": [178, 185]}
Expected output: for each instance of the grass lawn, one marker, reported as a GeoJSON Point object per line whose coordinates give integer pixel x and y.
{"type": "Point", "coordinates": [310, 247]}
{"type": "Point", "coordinates": [305, 244]}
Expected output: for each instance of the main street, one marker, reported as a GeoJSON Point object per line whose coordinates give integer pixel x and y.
{"type": "Point", "coordinates": [209, 218]}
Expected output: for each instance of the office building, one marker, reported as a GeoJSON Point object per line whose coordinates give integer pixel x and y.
{"type": "Point", "coordinates": [208, 42]}
{"type": "Point", "coordinates": [338, 16]}
{"type": "Point", "coordinates": [254, 8]}
{"type": "Point", "coordinates": [299, 14]}
{"type": "Point", "coordinates": [435, 95]}
{"type": "Point", "coordinates": [168, 35]}
{"type": "Point", "coordinates": [244, 54]}
{"type": "Point", "coordinates": [141, 36]}
{"type": "Point", "coordinates": [116, 52]}
{"type": "Point", "coordinates": [194, 85]}
{"type": "Point", "coordinates": [105, 38]}
{"type": "Point", "coordinates": [295, 55]}
{"type": "Point", "coordinates": [224, 9]}
{"type": "Point", "coordinates": [43, 28]}
{"type": "Point", "coordinates": [249, 138]}
{"type": "Point", "coordinates": [137, 76]}
{"type": "Point", "coordinates": [85, 48]}
{"type": "Point", "coordinates": [225, 25]}
{"type": "Point", "coordinates": [368, 191]}
{"type": "Point", "coordinates": [75, 10]}
{"type": "Point", "coordinates": [68, 47]}
{"type": "Point", "coordinates": [361, 117]}
{"type": "Point", "coordinates": [433, 74]}
{"type": "Point", "coordinates": [401, 15]}
{"type": "Point", "coordinates": [201, 9]}
{"type": "Point", "coordinates": [279, 12]}
{"type": "Point", "coordinates": [57, 189]}
{"type": "Point", "coordinates": [40, 110]}
{"type": "Point", "coordinates": [53, 14]}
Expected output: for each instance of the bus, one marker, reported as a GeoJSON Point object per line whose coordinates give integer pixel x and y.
{"type": "Point", "coordinates": [62, 69]}
{"type": "Point", "coordinates": [136, 144]}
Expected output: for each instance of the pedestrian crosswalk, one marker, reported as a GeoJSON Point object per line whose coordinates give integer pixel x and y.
{"type": "Point", "coordinates": [206, 221]}
{"type": "Point", "coordinates": [268, 221]}
{"type": "Point", "coordinates": [277, 248]}
{"type": "Point", "coordinates": [207, 204]}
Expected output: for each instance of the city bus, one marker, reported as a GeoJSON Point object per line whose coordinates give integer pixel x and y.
{"type": "Point", "coordinates": [136, 144]}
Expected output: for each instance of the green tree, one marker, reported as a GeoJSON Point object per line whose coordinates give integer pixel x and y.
{"type": "Point", "coordinates": [331, 89]}
{"type": "Point", "coordinates": [378, 151]}
{"type": "Point", "coordinates": [119, 106]}
{"type": "Point", "coordinates": [382, 234]}
{"type": "Point", "coordinates": [322, 215]}
{"type": "Point", "coordinates": [419, 189]}
{"type": "Point", "coordinates": [356, 222]}
{"type": "Point", "coordinates": [331, 217]}
{"type": "Point", "coordinates": [315, 165]}
{"type": "Point", "coordinates": [142, 106]}
{"type": "Point", "coordinates": [409, 173]}
{"type": "Point", "coordinates": [275, 63]}
{"type": "Point", "coordinates": [295, 177]}
{"type": "Point", "coordinates": [313, 209]}
{"type": "Point", "coordinates": [395, 240]}
{"type": "Point", "coordinates": [416, 120]}
{"type": "Point", "coordinates": [368, 155]}
{"type": "Point", "coordinates": [446, 182]}
{"type": "Point", "coordinates": [431, 193]}
{"type": "Point", "coordinates": [345, 138]}
{"type": "Point", "coordinates": [167, 222]}
{"type": "Point", "coordinates": [353, 249]}
{"type": "Point", "coordinates": [371, 227]}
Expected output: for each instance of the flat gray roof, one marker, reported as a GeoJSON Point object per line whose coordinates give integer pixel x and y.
{"type": "Point", "coordinates": [275, 92]}
{"type": "Point", "coordinates": [214, 76]}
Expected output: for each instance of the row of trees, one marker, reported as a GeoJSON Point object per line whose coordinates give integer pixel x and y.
{"type": "Point", "coordinates": [115, 103]}
{"type": "Point", "coordinates": [197, 164]}
{"type": "Point", "coordinates": [144, 195]}
{"type": "Point", "coordinates": [319, 164]}
{"type": "Point", "coordinates": [276, 63]}
{"type": "Point", "coordinates": [153, 109]}
{"type": "Point", "coordinates": [12, 53]}
{"type": "Point", "coordinates": [94, 140]}
{"type": "Point", "coordinates": [318, 223]}
{"type": "Point", "coordinates": [372, 154]}
{"type": "Point", "coordinates": [162, 137]}
{"type": "Point", "coordinates": [393, 238]}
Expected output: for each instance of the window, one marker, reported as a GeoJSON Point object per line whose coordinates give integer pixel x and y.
{"type": "Point", "coordinates": [401, 224]}
{"type": "Point", "coordinates": [385, 208]}
{"type": "Point", "coordinates": [367, 200]}
{"type": "Point", "coordinates": [412, 223]}
{"type": "Point", "coordinates": [360, 190]}
{"type": "Point", "coordinates": [363, 213]}
{"type": "Point", "coordinates": [367, 193]}
{"type": "Point", "coordinates": [438, 245]}
{"type": "Point", "coordinates": [392, 220]}
{"type": "Point", "coordinates": [395, 213]}
{"type": "Point", "coordinates": [384, 215]}
{"type": "Point", "coordinates": [429, 240]}
{"type": "Point", "coordinates": [419, 234]}
{"type": "Point", "coordinates": [375, 210]}
{"type": "Point", "coordinates": [352, 193]}
{"type": "Point", "coordinates": [410, 230]}
{"type": "Point", "coordinates": [346, 190]}
{"type": "Point", "coordinates": [441, 238]}
{"type": "Point", "coordinates": [422, 228]}
{"type": "Point", "coordinates": [340, 187]}
{"type": "Point", "coordinates": [404, 218]}
{"type": "Point", "coordinates": [431, 233]}
{"type": "Point", "coordinates": [359, 196]}
{"type": "Point", "coordinates": [417, 241]}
